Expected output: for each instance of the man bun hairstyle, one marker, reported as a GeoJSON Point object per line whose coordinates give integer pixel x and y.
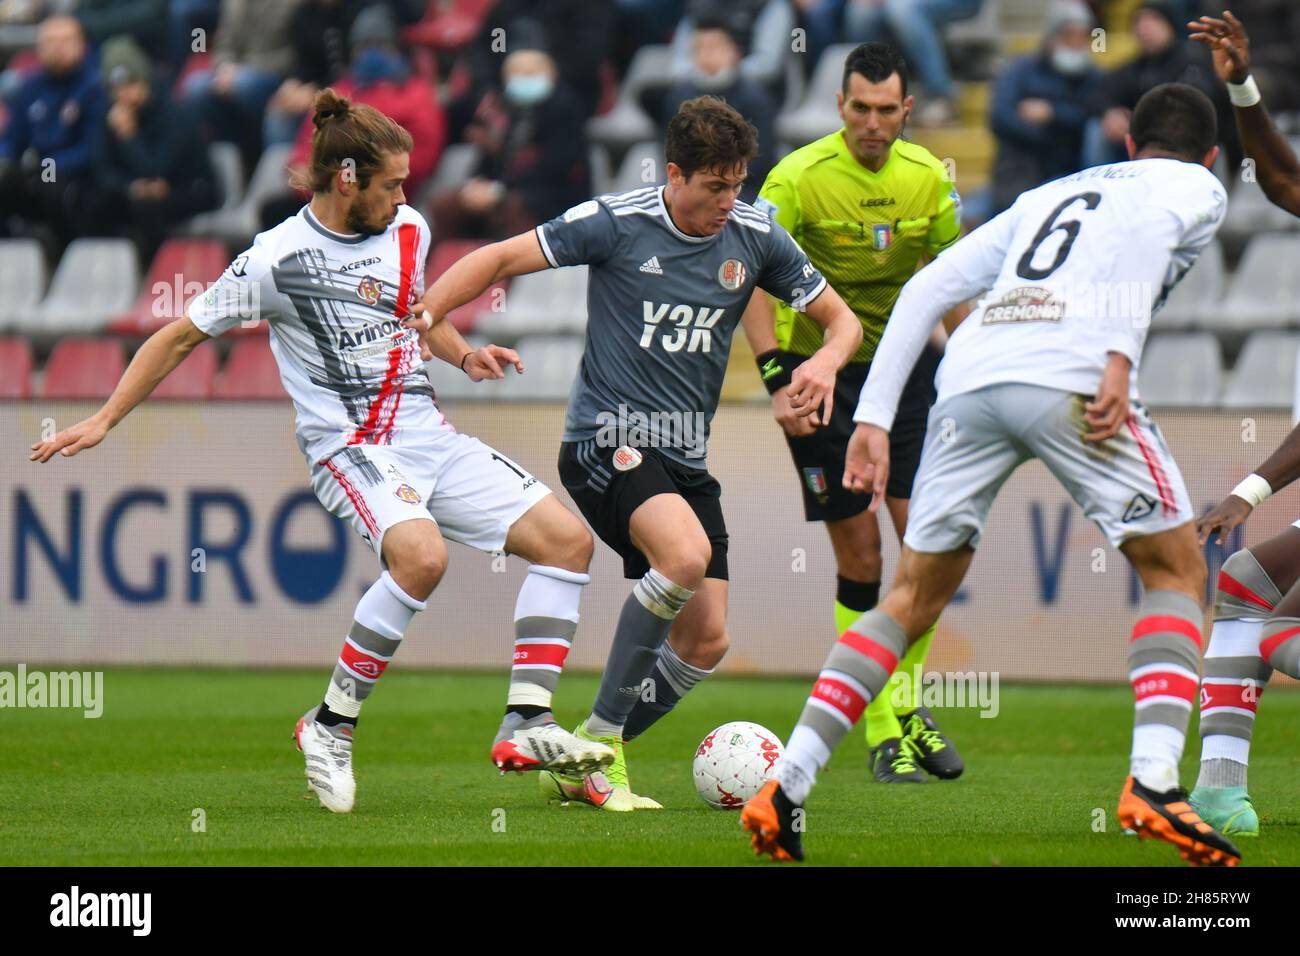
{"type": "Point", "coordinates": [706, 134]}
{"type": "Point", "coordinates": [348, 132]}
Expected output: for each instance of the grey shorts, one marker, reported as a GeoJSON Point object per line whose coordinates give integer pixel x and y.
{"type": "Point", "coordinates": [1129, 486]}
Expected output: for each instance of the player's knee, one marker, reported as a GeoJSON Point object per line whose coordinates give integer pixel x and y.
{"type": "Point", "coordinates": [570, 547]}
{"type": "Point", "coordinates": [860, 566]}
{"type": "Point", "coordinates": [418, 566]}
{"type": "Point", "coordinates": [687, 565]}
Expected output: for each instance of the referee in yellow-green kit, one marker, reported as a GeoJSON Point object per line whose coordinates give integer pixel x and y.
{"type": "Point", "coordinates": [869, 209]}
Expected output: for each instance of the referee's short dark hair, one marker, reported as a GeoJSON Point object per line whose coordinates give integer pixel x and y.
{"type": "Point", "coordinates": [875, 62]}
{"type": "Point", "coordinates": [706, 134]}
{"type": "Point", "coordinates": [1175, 118]}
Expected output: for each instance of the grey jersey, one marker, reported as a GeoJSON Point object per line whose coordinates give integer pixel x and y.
{"type": "Point", "coordinates": [661, 309]}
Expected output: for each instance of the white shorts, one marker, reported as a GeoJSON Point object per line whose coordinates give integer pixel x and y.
{"type": "Point", "coordinates": [1129, 485]}
{"type": "Point", "coordinates": [472, 492]}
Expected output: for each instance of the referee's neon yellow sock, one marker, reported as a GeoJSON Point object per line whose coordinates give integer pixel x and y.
{"type": "Point", "coordinates": [882, 714]}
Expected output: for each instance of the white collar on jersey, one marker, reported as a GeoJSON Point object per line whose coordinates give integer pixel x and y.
{"type": "Point", "coordinates": [663, 211]}
{"type": "Point", "coordinates": [350, 238]}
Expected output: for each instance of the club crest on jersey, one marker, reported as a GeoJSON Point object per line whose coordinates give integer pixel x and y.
{"type": "Point", "coordinates": [407, 494]}
{"type": "Point", "coordinates": [881, 236]}
{"type": "Point", "coordinates": [731, 275]}
{"type": "Point", "coordinates": [626, 458]}
{"type": "Point", "coordinates": [369, 290]}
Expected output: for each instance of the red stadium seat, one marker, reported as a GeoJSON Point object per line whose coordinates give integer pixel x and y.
{"type": "Point", "coordinates": [195, 378]}
{"type": "Point", "coordinates": [15, 368]}
{"type": "Point", "coordinates": [163, 297]}
{"type": "Point", "coordinates": [250, 372]}
{"type": "Point", "coordinates": [84, 368]}
{"type": "Point", "coordinates": [447, 27]}
{"type": "Point", "coordinates": [195, 63]}
{"type": "Point", "coordinates": [441, 258]}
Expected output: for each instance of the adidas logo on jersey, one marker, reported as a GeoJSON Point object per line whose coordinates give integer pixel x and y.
{"type": "Point", "coordinates": [651, 266]}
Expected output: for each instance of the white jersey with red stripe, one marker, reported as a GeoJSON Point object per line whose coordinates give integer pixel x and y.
{"type": "Point", "coordinates": [334, 304]}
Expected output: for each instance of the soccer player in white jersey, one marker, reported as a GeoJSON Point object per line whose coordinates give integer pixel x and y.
{"type": "Point", "coordinates": [336, 282]}
{"type": "Point", "coordinates": [1257, 598]}
{"type": "Point", "coordinates": [1046, 368]}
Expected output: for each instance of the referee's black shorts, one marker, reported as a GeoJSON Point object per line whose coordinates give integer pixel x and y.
{"type": "Point", "coordinates": [819, 457]}
{"type": "Point", "coordinates": [607, 491]}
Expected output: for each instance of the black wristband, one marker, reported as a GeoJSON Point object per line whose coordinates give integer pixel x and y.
{"type": "Point", "coordinates": [777, 368]}
{"type": "Point", "coordinates": [463, 357]}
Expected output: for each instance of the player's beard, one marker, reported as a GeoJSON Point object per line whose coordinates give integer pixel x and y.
{"type": "Point", "coordinates": [360, 220]}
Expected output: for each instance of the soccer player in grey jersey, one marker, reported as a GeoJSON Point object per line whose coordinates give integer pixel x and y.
{"type": "Point", "coordinates": [671, 269]}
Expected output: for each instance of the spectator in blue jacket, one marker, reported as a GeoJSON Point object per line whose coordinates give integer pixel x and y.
{"type": "Point", "coordinates": [1040, 106]}
{"type": "Point", "coordinates": [45, 149]}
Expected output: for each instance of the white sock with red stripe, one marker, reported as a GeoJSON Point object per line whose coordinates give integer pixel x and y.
{"type": "Point", "coordinates": [856, 671]}
{"type": "Point", "coordinates": [378, 626]}
{"type": "Point", "coordinates": [546, 618]}
{"type": "Point", "coordinates": [1164, 669]}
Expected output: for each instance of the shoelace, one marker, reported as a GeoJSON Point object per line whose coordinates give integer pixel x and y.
{"type": "Point", "coordinates": [932, 739]}
{"type": "Point", "coordinates": [616, 772]}
{"type": "Point", "coordinates": [904, 760]}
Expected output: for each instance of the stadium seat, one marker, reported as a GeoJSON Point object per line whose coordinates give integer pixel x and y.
{"type": "Point", "coordinates": [456, 167]}
{"type": "Point", "coordinates": [550, 366]}
{"type": "Point", "coordinates": [230, 176]}
{"type": "Point", "coordinates": [447, 26]}
{"type": "Point", "coordinates": [1181, 369]}
{"type": "Point", "coordinates": [238, 224]}
{"type": "Point", "coordinates": [1264, 376]}
{"type": "Point", "coordinates": [598, 162]}
{"type": "Point", "coordinates": [1251, 214]}
{"type": "Point", "coordinates": [1264, 291]}
{"type": "Point", "coordinates": [628, 122]}
{"type": "Point", "coordinates": [553, 301]}
{"type": "Point", "coordinates": [1196, 295]}
{"type": "Point", "coordinates": [974, 42]}
{"type": "Point", "coordinates": [451, 383]}
{"type": "Point", "coordinates": [642, 165]}
{"type": "Point", "coordinates": [194, 378]}
{"type": "Point", "coordinates": [15, 368]}
{"type": "Point", "coordinates": [22, 277]}
{"type": "Point", "coordinates": [84, 368]}
{"type": "Point", "coordinates": [816, 115]}
{"type": "Point", "coordinates": [441, 258]}
{"type": "Point", "coordinates": [95, 282]}
{"type": "Point", "coordinates": [250, 372]}
{"type": "Point", "coordinates": [182, 269]}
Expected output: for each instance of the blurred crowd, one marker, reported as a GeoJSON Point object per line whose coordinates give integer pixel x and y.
{"type": "Point", "coordinates": [110, 106]}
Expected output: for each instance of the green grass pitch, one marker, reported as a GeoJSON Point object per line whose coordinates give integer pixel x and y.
{"type": "Point", "coordinates": [124, 789]}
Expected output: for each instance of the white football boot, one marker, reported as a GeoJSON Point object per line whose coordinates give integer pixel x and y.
{"type": "Point", "coordinates": [328, 752]}
{"type": "Point", "coordinates": [547, 746]}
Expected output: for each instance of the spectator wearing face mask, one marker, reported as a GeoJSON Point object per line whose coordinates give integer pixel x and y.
{"type": "Point", "coordinates": [715, 70]}
{"type": "Point", "coordinates": [379, 76]}
{"type": "Point", "coordinates": [1164, 56]}
{"type": "Point", "coordinates": [1040, 106]}
{"type": "Point", "coordinates": [534, 150]}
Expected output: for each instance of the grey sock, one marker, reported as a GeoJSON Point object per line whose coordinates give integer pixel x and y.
{"type": "Point", "coordinates": [643, 626]}
{"type": "Point", "coordinates": [1221, 773]}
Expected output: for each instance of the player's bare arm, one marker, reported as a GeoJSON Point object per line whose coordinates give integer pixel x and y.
{"type": "Point", "coordinates": [464, 282]}
{"type": "Point", "coordinates": [1276, 165]}
{"type": "Point", "coordinates": [812, 387]}
{"type": "Point", "coordinates": [154, 361]}
{"type": "Point", "coordinates": [1279, 470]}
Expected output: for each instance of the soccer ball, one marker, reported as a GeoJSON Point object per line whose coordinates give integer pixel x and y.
{"type": "Point", "coordinates": [733, 763]}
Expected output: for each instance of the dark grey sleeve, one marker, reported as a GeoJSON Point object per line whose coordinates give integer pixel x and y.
{"type": "Point", "coordinates": [585, 233]}
{"type": "Point", "coordinates": [787, 272]}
